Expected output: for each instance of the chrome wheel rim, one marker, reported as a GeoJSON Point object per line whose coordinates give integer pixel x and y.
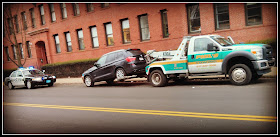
{"type": "Point", "coordinates": [88, 81]}
{"type": "Point", "coordinates": [239, 75]}
{"type": "Point", "coordinates": [156, 78]}
{"type": "Point", "coordinates": [120, 74]}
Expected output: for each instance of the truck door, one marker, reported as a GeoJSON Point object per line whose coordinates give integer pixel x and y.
{"type": "Point", "coordinates": [202, 61]}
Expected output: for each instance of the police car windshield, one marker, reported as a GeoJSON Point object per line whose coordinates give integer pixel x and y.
{"type": "Point", "coordinates": [32, 72]}
{"type": "Point", "coordinates": [222, 41]}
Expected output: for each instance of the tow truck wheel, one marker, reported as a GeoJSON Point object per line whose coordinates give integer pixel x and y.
{"type": "Point", "coordinates": [29, 84]}
{"type": "Point", "coordinates": [240, 74]}
{"type": "Point", "coordinates": [88, 81]}
{"type": "Point", "coordinates": [157, 78]}
{"type": "Point", "coordinates": [10, 85]}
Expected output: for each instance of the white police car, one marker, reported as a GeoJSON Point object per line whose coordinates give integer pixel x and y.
{"type": "Point", "coordinates": [29, 77]}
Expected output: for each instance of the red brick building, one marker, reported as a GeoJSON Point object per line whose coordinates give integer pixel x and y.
{"type": "Point", "coordinates": [59, 32]}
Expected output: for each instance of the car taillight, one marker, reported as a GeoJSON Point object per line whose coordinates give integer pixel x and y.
{"type": "Point", "coordinates": [130, 59]}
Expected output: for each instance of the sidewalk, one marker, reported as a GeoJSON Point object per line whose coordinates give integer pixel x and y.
{"type": "Point", "coordinates": [272, 74]}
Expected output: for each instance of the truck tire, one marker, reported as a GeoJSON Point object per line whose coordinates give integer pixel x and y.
{"type": "Point", "coordinates": [240, 74]}
{"type": "Point", "coordinates": [157, 78]}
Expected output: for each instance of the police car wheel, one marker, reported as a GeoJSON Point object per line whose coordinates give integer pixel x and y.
{"type": "Point", "coordinates": [88, 81]}
{"type": "Point", "coordinates": [10, 85]}
{"type": "Point", "coordinates": [29, 85]}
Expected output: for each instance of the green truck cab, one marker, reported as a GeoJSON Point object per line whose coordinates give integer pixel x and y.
{"type": "Point", "coordinates": [208, 55]}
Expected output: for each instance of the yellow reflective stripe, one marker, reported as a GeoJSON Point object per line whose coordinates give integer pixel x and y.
{"type": "Point", "coordinates": [202, 62]}
{"type": "Point", "coordinates": [169, 62]}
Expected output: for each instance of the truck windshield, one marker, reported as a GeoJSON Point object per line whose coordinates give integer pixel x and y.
{"type": "Point", "coordinates": [222, 41]}
{"type": "Point", "coordinates": [32, 72]}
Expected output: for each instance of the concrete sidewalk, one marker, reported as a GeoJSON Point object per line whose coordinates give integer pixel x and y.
{"type": "Point", "coordinates": [272, 74]}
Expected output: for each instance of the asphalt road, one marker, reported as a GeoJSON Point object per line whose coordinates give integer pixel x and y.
{"type": "Point", "coordinates": [209, 107]}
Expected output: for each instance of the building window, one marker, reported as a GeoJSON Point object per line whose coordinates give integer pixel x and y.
{"type": "Point", "coordinates": [63, 10]}
{"type": "Point", "coordinates": [32, 14]}
{"type": "Point", "coordinates": [253, 13]}
{"type": "Point", "coordinates": [16, 22]}
{"type": "Point", "coordinates": [144, 27]}
{"type": "Point", "coordinates": [7, 53]}
{"type": "Point", "coordinates": [94, 37]}
{"type": "Point", "coordinates": [90, 7]}
{"type": "Point", "coordinates": [104, 5]}
{"type": "Point", "coordinates": [42, 14]}
{"type": "Point", "coordinates": [53, 17]}
{"type": "Point", "coordinates": [76, 9]}
{"type": "Point", "coordinates": [125, 31]}
{"type": "Point", "coordinates": [109, 34]}
{"type": "Point", "coordinates": [10, 22]}
{"type": "Point", "coordinates": [164, 23]}
{"type": "Point", "coordinates": [81, 39]}
{"type": "Point", "coordinates": [68, 41]}
{"type": "Point", "coordinates": [21, 50]}
{"type": "Point", "coordinates": [14, 51]}
{"type": "Point", "coordinates": [23, 18]}
{"type": "Point", "coordinates": [193, 18]}
{"type": "Point", "coordinates": [221, 16]}
{"type": "Point", "coordinates": [28, 49]}
{"type": "Point", "coordinates": [57, 46]}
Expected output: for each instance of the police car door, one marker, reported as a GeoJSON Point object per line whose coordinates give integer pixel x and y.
{"type": "Point", "coordinates": [202, 61]}
{"type": "Point", "coordinates": [19, 79]}
{"type": "Point", "coordinates": [13, 78]}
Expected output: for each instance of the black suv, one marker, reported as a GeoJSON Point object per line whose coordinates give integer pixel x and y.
{"type": "Point", "coordinates": [116, 65]}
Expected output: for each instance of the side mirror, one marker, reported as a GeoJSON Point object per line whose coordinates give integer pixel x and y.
{"type": "Point", "coordinates": [97, 65]}
{"type": "Point", "coordinates": [211, 47]}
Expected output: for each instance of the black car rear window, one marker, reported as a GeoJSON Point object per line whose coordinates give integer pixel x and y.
{"type": "Point", "coordinates": [134, 52]}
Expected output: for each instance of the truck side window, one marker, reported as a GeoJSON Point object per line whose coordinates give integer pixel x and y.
{"type": "Point", "coordinates": [200, 44]}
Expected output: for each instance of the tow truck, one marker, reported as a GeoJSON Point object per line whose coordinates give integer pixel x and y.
{"type": "Point", "coordinates": [209, 55]}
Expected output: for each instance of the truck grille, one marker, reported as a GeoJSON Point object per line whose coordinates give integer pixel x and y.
{"type": "Point", "coordinates": [267, 52]}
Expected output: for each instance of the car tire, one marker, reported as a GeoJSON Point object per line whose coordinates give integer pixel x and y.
{"type": "Point", "coordinates": [240, 74]}
{"type": "Point", "coordinates": [120, 74]}
{"type": "Point", "coordinates": [157, 78]}
{"type": "Point", "coordinates": [10, 85]}
{"type": "Point", "coordinates": [88, 81]}
{"type": "Point", "coordinates": [30, 84]}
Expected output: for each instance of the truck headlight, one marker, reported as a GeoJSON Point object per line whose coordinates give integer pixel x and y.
{"type": "Point", "coordinates": [37, 79]}
{"type": "Point", "coordinates": [258, 53]}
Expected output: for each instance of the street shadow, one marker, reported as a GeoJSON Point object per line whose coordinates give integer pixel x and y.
{"type": "Point", "coordinates": [122, 84]}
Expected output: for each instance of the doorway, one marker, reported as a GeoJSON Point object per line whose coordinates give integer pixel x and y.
{"type": "Point", "coordinates": [41, 54]}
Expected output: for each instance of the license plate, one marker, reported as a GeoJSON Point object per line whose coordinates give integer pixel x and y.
{"type": "Point", "coordinates": [48, 81]}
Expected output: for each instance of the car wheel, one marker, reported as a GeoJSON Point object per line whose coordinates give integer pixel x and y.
{"type": "Point", "coordinates": [29, 84]}
{"type": "Point", "coordinates": [10, 85]}
{"type": "Point", "coordinates": [157, 78]}
{"type": "Point", "coordinates": [120, 74]}
{"type": "Point", "coordinates": [240, 74]}
{"type": "Point", "coordinates": [88, 81]}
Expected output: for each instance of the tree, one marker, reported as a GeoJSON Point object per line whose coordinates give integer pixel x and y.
{"type": "Point", "coordinates": [13, 32]}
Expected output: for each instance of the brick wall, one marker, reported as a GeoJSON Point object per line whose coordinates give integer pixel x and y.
{"type": "Point", "coordinates": [177, 27]}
